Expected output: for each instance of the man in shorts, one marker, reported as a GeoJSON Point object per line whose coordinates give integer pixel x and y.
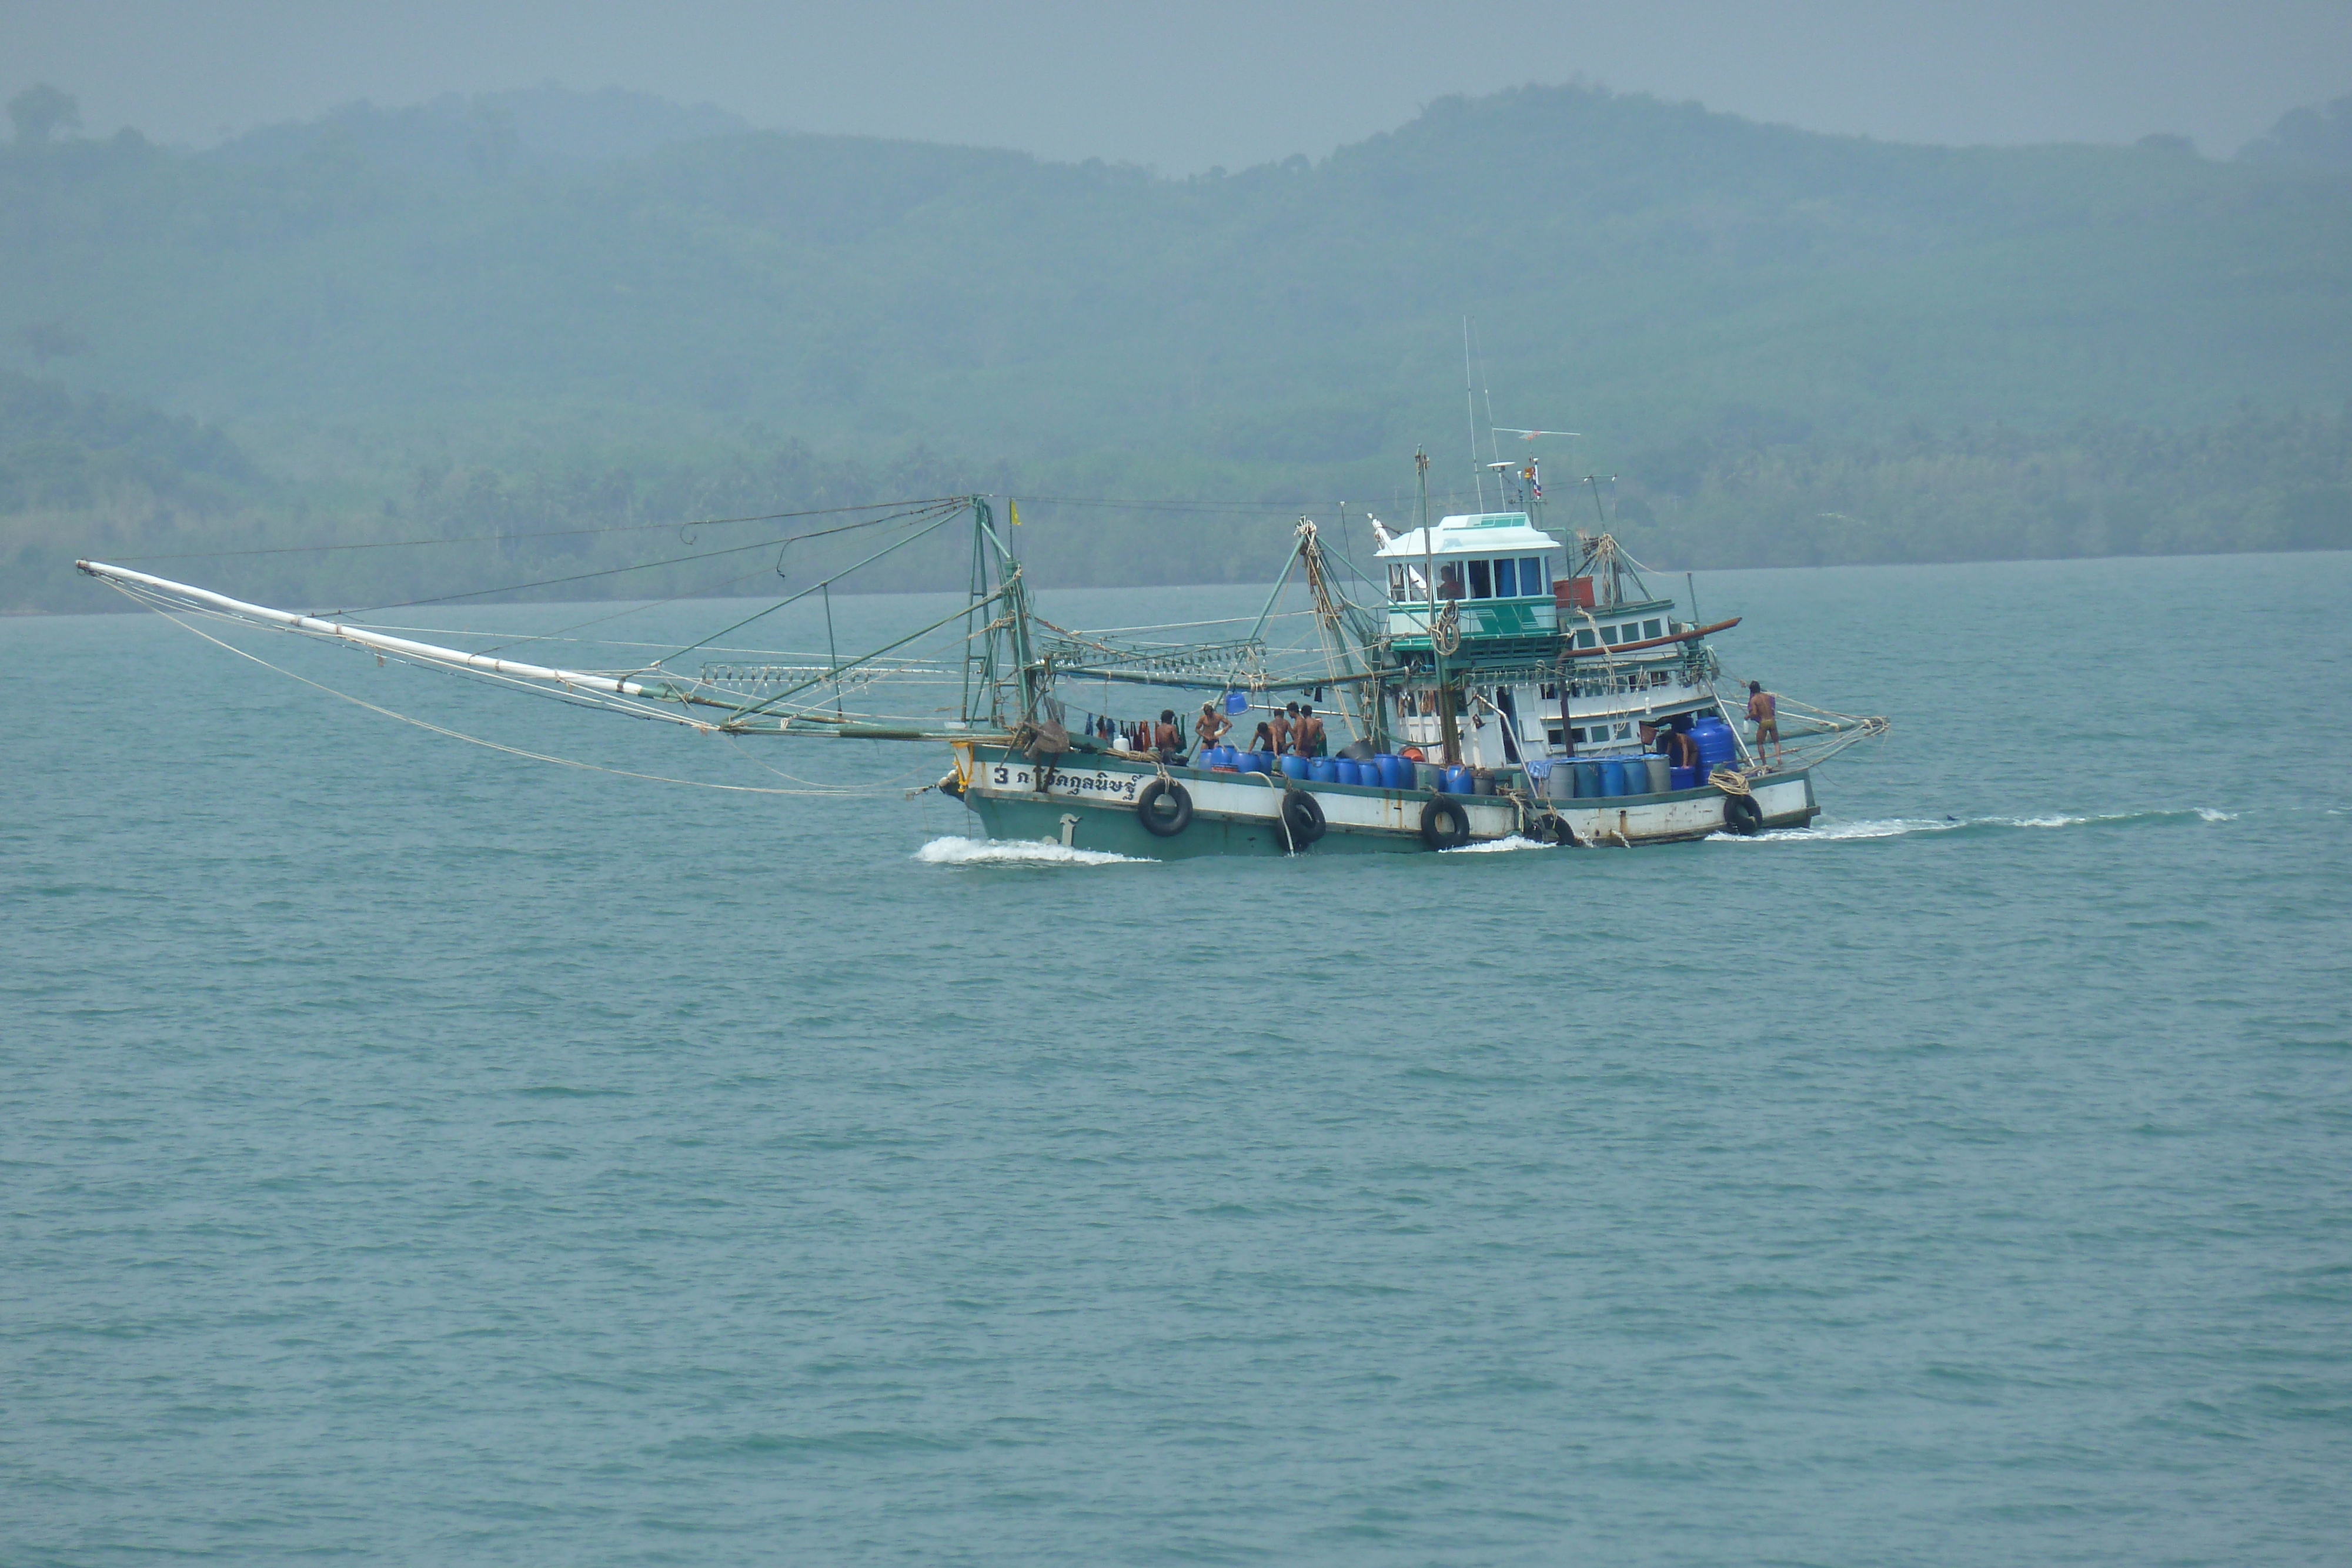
{"type": "Point", "coordinates": [1308, 740]}
{"type": "Point", "coordinates": [1766, 711]}
{"type": "Point", "coordinates": [1210, 728]}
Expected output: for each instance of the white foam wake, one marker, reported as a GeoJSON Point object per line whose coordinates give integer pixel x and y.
{"type": "Point", "coordinates": [1496, 846]}
{"type": "Point", "coordinates": [1894, 827]}
{"type": "Point", "coordinates": [1014, 851]}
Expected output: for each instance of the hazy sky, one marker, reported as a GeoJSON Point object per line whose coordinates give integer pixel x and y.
{"type": "Point", "coordinates": [1183, 87]}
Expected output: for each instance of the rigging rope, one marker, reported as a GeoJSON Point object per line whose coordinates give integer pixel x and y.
{"type": "Point", "coordinates": [553, 533]}
{"type": "Point", "coordinates": [787, 540]}
{"type": "Point", "coordinates": [844, 791]}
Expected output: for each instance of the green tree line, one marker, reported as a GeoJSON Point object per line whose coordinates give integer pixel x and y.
{"type": "Point", "coordinates": [1789, 345]}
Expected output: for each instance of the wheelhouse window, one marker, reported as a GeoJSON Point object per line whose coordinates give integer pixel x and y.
{"type": "Point", "coordinates": [1507, 579]}
{"type": "Point", "coordinates": [1482, 581]}
{"type": "Point", "coordinates": [1584, 638]}
{"type": "Point", "coordinates": [1449, 580]}
{"type": "Point", "coordinates": [1609, 635]}
{"type": "Point", "coordinates": [1652, 629]}
{"type": "Point", "coordinates": [1533, 578]}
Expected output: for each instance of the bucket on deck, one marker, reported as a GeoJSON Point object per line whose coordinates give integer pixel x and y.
{"type": "Point", "coordinates": [1323, 769]}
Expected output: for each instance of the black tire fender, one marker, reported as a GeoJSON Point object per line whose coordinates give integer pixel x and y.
{"type": "Point", "coordinates": [1164, 808]}
{"type": "Point", "coordinates": [1742, 815]}
{"type": "Point", "coordinates": [1302, 818]}
{"type": "Point", "coordinates": [1444, 823]}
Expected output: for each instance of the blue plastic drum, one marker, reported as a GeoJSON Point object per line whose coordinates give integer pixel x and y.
{"type": "Point", "coordinates": [1323, 769]}
{"type": "Point", "coordinates": [1347, 770]}
{"type": "Point", "coordinates": [1715, 743]}
{"type": "Point", "coordinates": [1457, 780]}
{"type": "Point", "coordinates": [1612, 779]}
{"type": "Point", "coordinates": [1686, 778]}
{"type": "Point", "coordinates": [1293, 766]}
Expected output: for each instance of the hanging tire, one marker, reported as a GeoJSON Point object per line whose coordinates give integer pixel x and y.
{"type": "Point", "coordinates": [1742, 815]}
{"type": "Point", "coordinates": [1302, 818]}
{"type": "Point", "coordinates": [1444, 823]}
{"type": "Point", "coordinates": [1164, 808]}
{"type": "Point", "coordinates": [1554, 829]}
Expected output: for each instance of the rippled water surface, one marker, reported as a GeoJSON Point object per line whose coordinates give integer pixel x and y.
{"type": "Point", "coordinates": [418, 1152]}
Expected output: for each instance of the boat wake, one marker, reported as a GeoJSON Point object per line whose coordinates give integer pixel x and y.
{"type": "Point", "coordinates": [1002, 851]}
{"type": "Point", "coordinates": [1895, 827]}
{"type": "Point", "coordinates": [1496, 846]}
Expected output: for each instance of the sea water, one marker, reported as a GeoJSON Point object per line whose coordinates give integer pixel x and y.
{"type": "Point", "coordinates": [419, 1152]}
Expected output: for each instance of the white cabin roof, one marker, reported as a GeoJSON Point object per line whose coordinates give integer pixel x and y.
{"type": "Point", "coordinates": [1479, 533]}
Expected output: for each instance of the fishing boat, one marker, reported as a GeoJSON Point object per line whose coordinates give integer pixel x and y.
{"type": "Point", "coordinates": [1487, 681]}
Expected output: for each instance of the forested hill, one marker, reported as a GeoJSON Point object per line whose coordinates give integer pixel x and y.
{"type": "Point", "coordinates": [369, 294]}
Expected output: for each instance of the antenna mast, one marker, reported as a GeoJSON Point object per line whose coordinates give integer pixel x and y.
{"type": "Point", "coordinates": [1470, 412]}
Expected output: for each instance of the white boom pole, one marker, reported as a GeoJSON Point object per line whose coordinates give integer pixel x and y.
{"type": "Point", "coordinates": [618, 686]}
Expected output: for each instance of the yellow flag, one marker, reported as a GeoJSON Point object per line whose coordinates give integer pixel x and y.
{"type": "Point", "coordinates": [1015, 508]}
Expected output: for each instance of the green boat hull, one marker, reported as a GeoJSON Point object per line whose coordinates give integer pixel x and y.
{"type": "Point", "coordinates": [1089, 804]}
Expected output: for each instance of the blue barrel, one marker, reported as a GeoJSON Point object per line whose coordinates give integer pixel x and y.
{"type": "Point", "coordinates": [1715, 743]}
{"type": "Point", "coordinates": [1396, 773]}
{"type": "Point", "coordinates": [1457, 780]}
{"type": "Point", "coordinates": [1612, 778]}
{"type": "Point", "coordinates": [1686, 778]}
{"type": "Point", "coordinates": [1657, 775]}
{"type": "Point", "coordinates": [1323, 769]}
{"type": "Point", "coordinates": [1347, 770]}
{"type": "Point", "coordinates": [1293, 766]}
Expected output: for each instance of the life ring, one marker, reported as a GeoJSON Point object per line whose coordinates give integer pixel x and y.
{"type": "Point", "coordinates": [1164, 808]}
{"type": "Point", "coordinates": [1444, 823]}
{"type": "Point", "coordinates": [1302, 818]}
{"type": "Point", "coordinates": [1742, 815]}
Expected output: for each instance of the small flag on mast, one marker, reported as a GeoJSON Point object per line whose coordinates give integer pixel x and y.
{"type": "Point", "coordinates": [1015, 508]}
